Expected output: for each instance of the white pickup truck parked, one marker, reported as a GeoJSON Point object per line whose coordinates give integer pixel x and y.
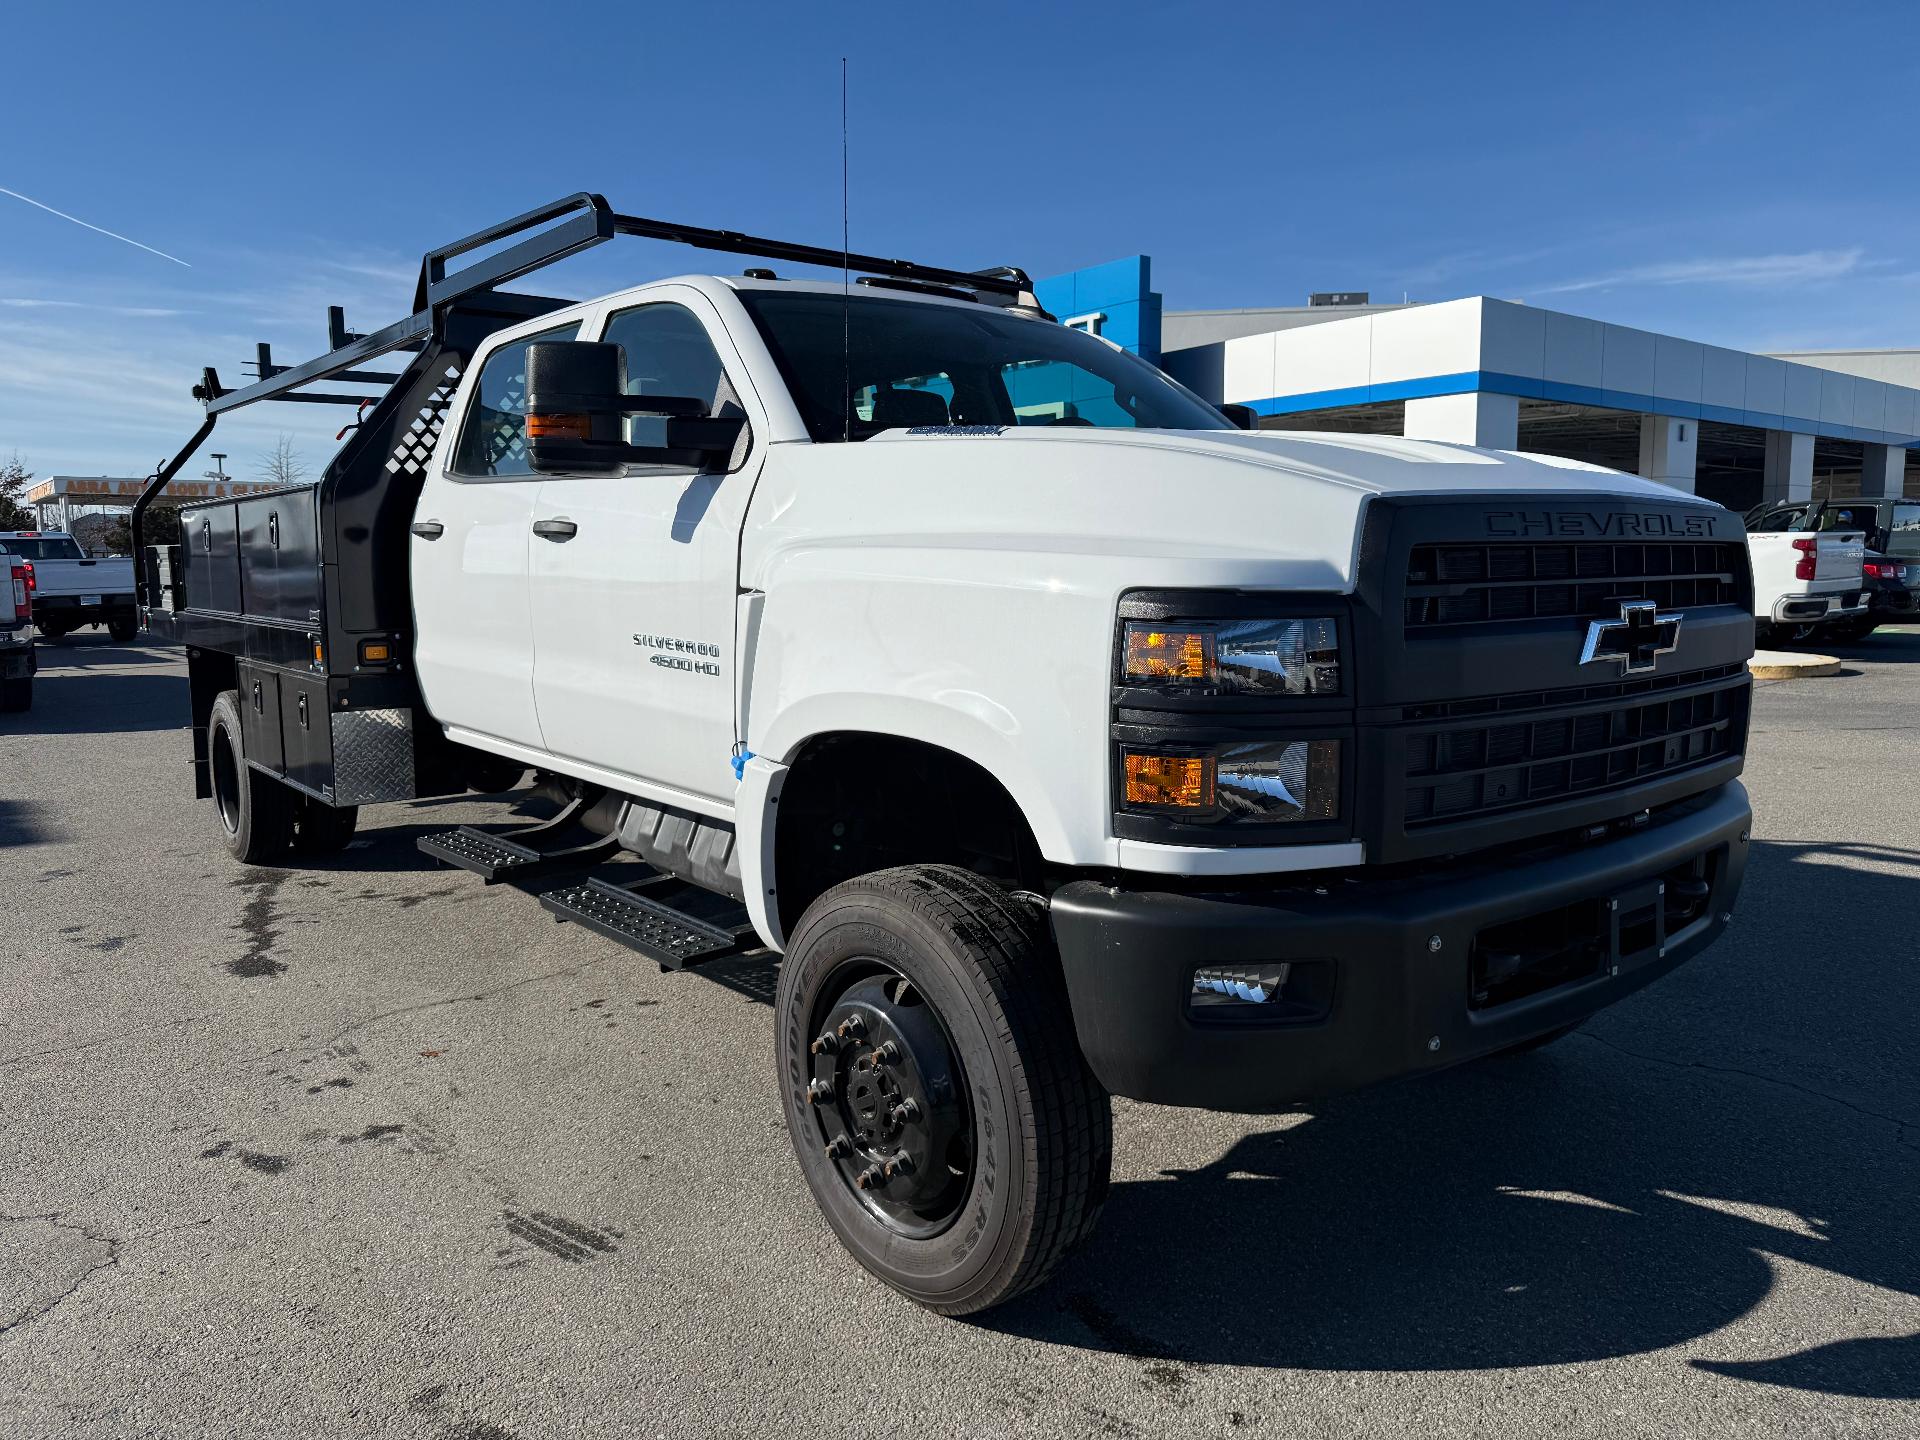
{"type": "Point", "coordinates": [71, 589]}
{"type": "Point", "coordinates": [16, 637]}
{"type": "Point", "coordinates": [1803, 578]}
{"type": "Point", "coordinates": [1059, 738]}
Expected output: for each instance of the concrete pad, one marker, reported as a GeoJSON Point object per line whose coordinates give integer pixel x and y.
{"type": "Point", "coordinates": [1791, 665]}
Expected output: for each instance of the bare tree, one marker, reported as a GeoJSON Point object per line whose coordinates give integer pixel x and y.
{"type": "Point", "coordinates": [14, 478]}
{"type": "Point", "coordinates": [282, 465]}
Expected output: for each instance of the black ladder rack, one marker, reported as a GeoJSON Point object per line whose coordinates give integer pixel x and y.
{"type": "Point", "coordinates": [571, 224]}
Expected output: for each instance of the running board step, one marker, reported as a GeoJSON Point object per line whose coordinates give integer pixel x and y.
{"type": "Point", "coordinates": [654, 927]}
{"type": "Point", "coordinates": [498, 857]}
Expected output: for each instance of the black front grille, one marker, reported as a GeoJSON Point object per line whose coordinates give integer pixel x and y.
{"type": "Point", "coordinates": [1482, 584]}
{"type": "Point", "coordinates": [1501, 764]}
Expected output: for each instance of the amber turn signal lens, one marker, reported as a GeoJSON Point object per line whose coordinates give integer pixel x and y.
{"type": "Point", "coordinates": [1157, 654]}
{"type": "Point", "coordinates": [558, 427]}
{"type": "Point", "coordinates": [375, 652]}
{"type": "Point", "coordinates": [1185, 781]}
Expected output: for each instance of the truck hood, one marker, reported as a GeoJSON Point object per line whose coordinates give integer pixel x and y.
{"type": "Point", "coordinates": [1378, 464]}
{"type": "Point", "coordinates": [1166, 508]}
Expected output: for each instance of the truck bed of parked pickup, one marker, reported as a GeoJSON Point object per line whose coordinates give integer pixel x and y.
{"type": "Point", "coordinates": [71, 589]}
{"type": "Point", "coordinates": [1062, 739]}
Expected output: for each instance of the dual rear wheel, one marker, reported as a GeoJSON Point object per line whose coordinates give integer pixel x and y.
{"type": "Point", "coordinates": [262, 820]}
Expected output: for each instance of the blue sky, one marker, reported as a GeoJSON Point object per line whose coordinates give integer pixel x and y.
{"type": "Point", "coordinates": [1738, 174]}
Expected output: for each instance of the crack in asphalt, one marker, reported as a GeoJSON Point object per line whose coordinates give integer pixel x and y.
{"type": "Point", "coordinates": [1901, 1127]}
{"type": "Point", "coordinates": [483, 996]}
{"type": "Point", "coordinates": [115, 1245]}
{"type": "Point", "coordinates": [103, 1040]}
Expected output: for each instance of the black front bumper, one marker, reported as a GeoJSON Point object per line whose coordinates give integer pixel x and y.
{"type": "Point", "coordinates": [1403, 953]}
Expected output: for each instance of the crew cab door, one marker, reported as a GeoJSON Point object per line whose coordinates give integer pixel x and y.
{"type": "Point", "coordinates": [472, 535]}
{"type": "Point", "coordinates": [635, 579]}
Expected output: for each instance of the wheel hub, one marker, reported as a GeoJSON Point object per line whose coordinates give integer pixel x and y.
{"type": "Point", "coordinates": [890, 1102]}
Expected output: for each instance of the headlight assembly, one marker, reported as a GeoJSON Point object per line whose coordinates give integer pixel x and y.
{"type": "Point", "coordinates": [1257, 783]}
{"type": "Point", "coordinates": [1234, 657]}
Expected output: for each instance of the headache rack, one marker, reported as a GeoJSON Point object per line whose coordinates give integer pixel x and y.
{"type": "Point", "coordinates": [298, 599]}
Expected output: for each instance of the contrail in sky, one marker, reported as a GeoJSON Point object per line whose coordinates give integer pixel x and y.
{"type": "Point", "coordinates": [78, 221]}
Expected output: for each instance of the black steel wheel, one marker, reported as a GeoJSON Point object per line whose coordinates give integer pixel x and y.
{"type": "Point", "coordinates": [934, 1091]}
{"type": "Point", "coordinates": [256, 811]}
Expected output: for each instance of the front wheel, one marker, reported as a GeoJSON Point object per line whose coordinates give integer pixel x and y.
{"type": "Point", "coordinates": [936, 1096]}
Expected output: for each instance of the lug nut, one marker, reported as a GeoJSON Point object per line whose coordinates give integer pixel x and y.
{"type": "Point", "coordinates": [827, 1044]}
{"type": "Point", "coordinates": [852, 1028]}
{"type": "Point", "coordinates": [819, 1092]}
{"type": "Point", "coordinates": [839, 1148]}
{"type": "Point", "coordinates": [886, 1054]}
{"type": "Point", "coordinates": [901, 1164]}
{"type": "Point", "coordinates": [906, 1112]}
{"type": "Point", "coordinates": [871, 1178]}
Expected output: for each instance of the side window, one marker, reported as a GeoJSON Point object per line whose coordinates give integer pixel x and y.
{"type": "Point", "coordinates": [493, 440]}
{"type": "Point", "coordinates": [1778, 520]}
{"type": "Point", "coordinates": [669, 353]}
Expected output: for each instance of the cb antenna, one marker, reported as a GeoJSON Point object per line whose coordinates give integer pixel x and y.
{"type": "Point", "coordinates": [846, 267]}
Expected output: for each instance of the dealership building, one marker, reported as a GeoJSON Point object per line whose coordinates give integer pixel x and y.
{"type": "Point", "coordinates": [1735, 427]}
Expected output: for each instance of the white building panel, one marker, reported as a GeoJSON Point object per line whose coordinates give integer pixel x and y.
{"type": "Point", "coordinates": [1425, 341]}
{"type": "Point", "coordinates": [1247, 369]}
{"type": "Point", "coordinates": [1766, 386]}
{"type": "Point", "coordinates": [1574, 349]}
{"type": "Point", "coordinates": [1803, 395]}
{"type": "Point", "coordinates": [1903, 410]}
{"type": "Point", "coordinates": [1513, 339]}
{"type": "Point", "coordinates": [1627, 361]}
{"type": "Point", "coordinates": [1677, 369]}
{"type": "Point", "coordinates": [1870, 404]}
{"type": "Point", "coordinates": [1334, 356]}
{"type": "Point", "coordinates": [1723, 378]}
{"type": "Point", "coordinates": [1836, 399]}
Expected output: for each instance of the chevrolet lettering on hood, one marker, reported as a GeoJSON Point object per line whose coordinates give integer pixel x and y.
{"type": "Point", "coordinates": [1586, 525]}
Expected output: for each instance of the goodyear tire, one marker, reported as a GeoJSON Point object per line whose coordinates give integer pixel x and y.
{"type": "Point", "coordinates": [256, 812]}
{"type": "Point", "coordinates": [1008, 1135]}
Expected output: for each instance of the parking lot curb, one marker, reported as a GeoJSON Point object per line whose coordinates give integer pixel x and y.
{"type": "Point", "coordinates": [1782, 665]}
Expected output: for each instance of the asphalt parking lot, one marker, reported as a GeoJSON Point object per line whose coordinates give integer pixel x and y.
{"type": "Point", "coordinates": [364, 1147]}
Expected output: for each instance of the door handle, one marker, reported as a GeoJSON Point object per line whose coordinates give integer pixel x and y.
{"type": "Point", "coordinates": [559, 530]}
{"type": "Point", "coordinates": [428, 529]}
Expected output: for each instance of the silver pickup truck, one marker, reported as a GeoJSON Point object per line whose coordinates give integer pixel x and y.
{"type": "Point", "coordinates": [70, 589]}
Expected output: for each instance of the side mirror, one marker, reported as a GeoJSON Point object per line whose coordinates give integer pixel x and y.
{"type": "Point", "coordinates": [577, 407]}
{"type": "Point", "coordinates": [1241, 417]}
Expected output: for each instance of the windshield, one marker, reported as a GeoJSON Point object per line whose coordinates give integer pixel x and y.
{"type": "Point", "coordinates": [41, 548]}
{"type": "Point", "coordinates": [910, 364]}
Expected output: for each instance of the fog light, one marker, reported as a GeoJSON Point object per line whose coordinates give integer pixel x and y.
{"type": "Point", "coordinates": [1240, 985]}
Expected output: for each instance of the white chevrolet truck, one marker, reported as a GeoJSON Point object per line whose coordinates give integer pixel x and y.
{"type": "Point", "coordinates": [1060, 739]}
{"type": "Point", "coordinates": [71, 588]}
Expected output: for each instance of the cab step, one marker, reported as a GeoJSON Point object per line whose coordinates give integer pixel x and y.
{"type": "Point", "coordinates": [665, 919]}
{"type": "Point", "coordinates": [522, 852]}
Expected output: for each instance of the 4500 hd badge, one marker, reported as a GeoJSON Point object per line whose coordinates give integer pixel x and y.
{"type": "Point", "coordinates": [694, 656]}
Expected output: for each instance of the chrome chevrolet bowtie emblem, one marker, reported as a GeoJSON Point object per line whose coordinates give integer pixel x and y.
{"type": "Point", "coordinates": [1637, 639]}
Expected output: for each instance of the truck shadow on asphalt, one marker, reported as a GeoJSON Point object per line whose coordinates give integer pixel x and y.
{"type": "Point", "coordinates": [1743, 1126]}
